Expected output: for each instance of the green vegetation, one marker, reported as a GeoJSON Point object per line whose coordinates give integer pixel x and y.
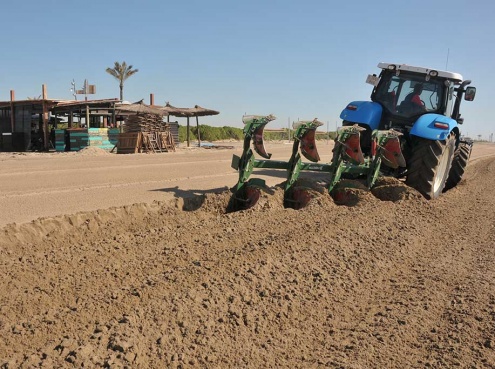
{"type": "Point", "coordinates": [209, 133]}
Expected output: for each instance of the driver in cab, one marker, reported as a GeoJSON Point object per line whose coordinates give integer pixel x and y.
{"type": "Point", "coordinates": [414, 98]}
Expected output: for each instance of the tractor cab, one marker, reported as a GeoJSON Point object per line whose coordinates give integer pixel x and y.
{"type": "Point", "coordinates": [406, 93]}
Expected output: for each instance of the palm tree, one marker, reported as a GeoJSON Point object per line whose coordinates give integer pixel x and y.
{"type": "Point", "coordinates": [121, 72]}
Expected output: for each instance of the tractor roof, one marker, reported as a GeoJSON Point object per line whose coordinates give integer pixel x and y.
{"type": "Point", "coordinates": [422, 70]}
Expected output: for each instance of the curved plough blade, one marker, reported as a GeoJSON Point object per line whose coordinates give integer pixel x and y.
{"type": "Point", "coordinates": [308, 146]}
{"type": "Point", "coordinates": [258, 143]}
{"type": "Point", "coordinates": [390, 150]}
{"type": "Point", "coordinates": [352, 148]}
{"type": "Point", "coordinates": [348, 144]}
{"type": "Point", "coordinates": [305, 133]}
{"type": "Point", "coordinates": [254, 126]}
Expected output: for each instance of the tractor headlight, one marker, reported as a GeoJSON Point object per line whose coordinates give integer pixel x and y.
{"type": "Point", "coordinates": [433, 73]}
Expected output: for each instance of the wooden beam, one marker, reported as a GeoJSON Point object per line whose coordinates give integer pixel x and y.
{"type": "Point", "coordinates": [187, 131]}
{"type": "Point", "coordinates": [12, 99]}
{"type": "Point", "coordinates": [114, 118]}
{"type": "Point", "coordinates": [199, 134]}
{"type": "Point", "coordinates": [46, 145]}
{"type": "Point", "coordinates": [87, 116]}
{"type": "Point", "coordinates": [45, 118]}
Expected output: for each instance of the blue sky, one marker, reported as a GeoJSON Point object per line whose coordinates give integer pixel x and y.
{"type": "Point", "coordinates": [295, 59]}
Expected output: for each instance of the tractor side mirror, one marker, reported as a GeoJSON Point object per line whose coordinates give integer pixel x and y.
{"type": "Point", "coordinates": [470, 93]}
{"type": "Point", "coordinates": [372, 79]}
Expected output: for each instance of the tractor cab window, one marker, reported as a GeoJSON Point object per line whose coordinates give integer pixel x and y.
{"type": "Point", "coordinates": [409, 95]}
{"type": "Point", "coordinates": [387, 93]}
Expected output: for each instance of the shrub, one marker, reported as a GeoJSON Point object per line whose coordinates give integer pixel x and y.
{"type": "Point", "coordinates": [183, 134]}
{"type": "Point", "coordinates": [209, 133]}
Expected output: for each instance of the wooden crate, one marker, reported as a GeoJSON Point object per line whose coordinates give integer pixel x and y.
{"type": "Point", "coordinates": [129, 143]}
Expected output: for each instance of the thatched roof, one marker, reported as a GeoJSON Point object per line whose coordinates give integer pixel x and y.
{"type": "Point", "coordinates": [197, 111]}
{"type": "Point", "coordinates": [139, 108]}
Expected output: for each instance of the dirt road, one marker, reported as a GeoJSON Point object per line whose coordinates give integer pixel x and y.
{"type": "Point", "coordinates": [405, 284]}
{"type": "Point", "coordinates": [36, 185]}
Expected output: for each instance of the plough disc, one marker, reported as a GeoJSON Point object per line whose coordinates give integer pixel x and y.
{"type": "Point", "coordinates": [298, 198]}
{"type": "Point", "coordinates": [248, 195]}
{"type": "Point", "coordinates": [345, 192]}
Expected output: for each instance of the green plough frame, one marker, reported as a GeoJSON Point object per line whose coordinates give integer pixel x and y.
{"type": "Point", "coordinates": [346, 159]}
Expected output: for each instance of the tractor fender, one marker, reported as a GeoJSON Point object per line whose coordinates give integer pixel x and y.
{"type": "Point", "coordinates": [433, 127]}
{"type": "Point", "coordinates": [364, 112]}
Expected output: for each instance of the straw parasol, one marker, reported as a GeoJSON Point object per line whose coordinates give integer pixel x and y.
{"type": "Point", "coordinates": [139, 108]}
{"type": "Point", "coordinates": [197, 111]}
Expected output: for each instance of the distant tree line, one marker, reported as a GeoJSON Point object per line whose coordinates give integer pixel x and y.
{"type": "Point", "coordinates": [209, 133]}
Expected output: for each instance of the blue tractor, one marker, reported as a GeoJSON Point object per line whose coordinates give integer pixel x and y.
{"type": "Point", "coordinates": [423, 106]}
{"type": "Point", "coordinates": [409, 129]}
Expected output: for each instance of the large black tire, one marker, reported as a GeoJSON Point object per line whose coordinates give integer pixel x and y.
{"type": "Point", "coordinates": [429, 165]}
{"type": "Point", "coordinates": [459, 163]}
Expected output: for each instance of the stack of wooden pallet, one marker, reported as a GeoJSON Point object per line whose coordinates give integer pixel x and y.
{"type": "Point", "coordinates": [146, 133]}
{"type": "Point", "coordinates": [144, 123]}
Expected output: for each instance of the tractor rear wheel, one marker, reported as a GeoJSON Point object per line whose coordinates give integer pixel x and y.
{"type": "Point", "coordinates": [459, 163]}
{"type": "Point", "coordinates": [429, 165]}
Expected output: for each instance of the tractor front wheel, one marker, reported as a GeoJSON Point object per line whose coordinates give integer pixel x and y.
{"type": "Point", "coordinates": [429, 166]}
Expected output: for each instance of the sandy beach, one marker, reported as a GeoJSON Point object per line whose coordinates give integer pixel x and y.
{"type": "Point", "coordinates": [129, 261]}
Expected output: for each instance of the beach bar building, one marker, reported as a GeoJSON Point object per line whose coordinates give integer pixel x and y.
{"type": "Point", "coordinates": [24, 121]}
{"type": "Point", "coordinates": [66, 125]}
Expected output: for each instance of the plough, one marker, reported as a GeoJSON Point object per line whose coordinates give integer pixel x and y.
{"type": "Point", "coordinates": [348, 160]}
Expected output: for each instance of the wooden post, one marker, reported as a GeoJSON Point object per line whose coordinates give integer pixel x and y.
{"type": "Point", "coordinates": [187, 131]}
{"type": "Point", "coordinates": [71, 119]}
{"type": "Point", "coordinates": [199, 135]}
{"type": "Point", "coordinates": [87, 116]}
{"type": "Point", "coordinates": [114, 119]}
{"type": "Point", "coordinates": [45, 118]}
{"type": "Point", "coordinates": [152, 99]}
{"type": "Point", "coordinates": [12, 120]}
